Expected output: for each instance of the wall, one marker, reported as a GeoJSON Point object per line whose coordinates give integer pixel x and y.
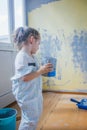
{"type": "Point", "coordinates": [63, 28]}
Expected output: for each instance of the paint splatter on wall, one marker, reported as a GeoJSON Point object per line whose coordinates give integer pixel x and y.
{"type": "Point", "coordinates": [63, 28]}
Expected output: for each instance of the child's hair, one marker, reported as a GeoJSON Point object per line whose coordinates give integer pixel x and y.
{"type": "Point", "coordinates": [22, 34]}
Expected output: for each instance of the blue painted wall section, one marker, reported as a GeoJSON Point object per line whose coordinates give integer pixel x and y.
{"type": "Point", "coordinates": [33, 4]}
{"type": "Point", "coordinates": [51, 46]}
{"type": "Point", "coordinates": [79, 48]}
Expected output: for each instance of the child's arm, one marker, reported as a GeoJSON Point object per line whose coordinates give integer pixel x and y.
{"type": "Point", "coordinates": [42, 70]}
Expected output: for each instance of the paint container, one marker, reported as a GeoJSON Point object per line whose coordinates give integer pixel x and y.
{"type": "Point", "coordinates": [53, 61]}
{"type": "Point", "coordinates": [8, 119]}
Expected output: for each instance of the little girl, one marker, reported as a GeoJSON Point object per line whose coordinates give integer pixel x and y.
{"type": "Point", "coordinates": [27, 83]}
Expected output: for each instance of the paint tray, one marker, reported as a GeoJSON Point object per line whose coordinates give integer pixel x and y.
{"type": "Point", "coordinates": [81, 104]}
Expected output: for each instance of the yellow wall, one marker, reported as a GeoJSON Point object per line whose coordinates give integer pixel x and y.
{"type": "Point", "coordinates": [64, 22]}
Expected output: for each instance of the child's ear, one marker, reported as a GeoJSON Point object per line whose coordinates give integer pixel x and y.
{"type": "Point", "coordinates": [31, 39]}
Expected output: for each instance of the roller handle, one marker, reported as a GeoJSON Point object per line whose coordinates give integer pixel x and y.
{"type": "Point", "coordinates": [74, 100]}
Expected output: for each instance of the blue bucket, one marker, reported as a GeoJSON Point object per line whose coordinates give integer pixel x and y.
{"type": "Point", "coordinates": [8, 119]}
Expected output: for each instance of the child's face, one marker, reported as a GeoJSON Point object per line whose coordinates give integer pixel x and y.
{"type": "Point", "coordinates": [35, 45]}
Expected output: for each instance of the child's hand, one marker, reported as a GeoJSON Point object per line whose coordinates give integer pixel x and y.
{"type": "Point", "coordinates": [45, 68]}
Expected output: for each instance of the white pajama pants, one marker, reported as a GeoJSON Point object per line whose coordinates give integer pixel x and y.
{"type": "Point", "coordinates": [30, 111]}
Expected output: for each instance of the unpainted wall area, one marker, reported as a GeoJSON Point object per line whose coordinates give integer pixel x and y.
{"type": "Point", "coordinates": [63, 28]}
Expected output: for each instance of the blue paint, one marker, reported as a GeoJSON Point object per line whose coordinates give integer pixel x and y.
{"type": "Point", "coordinates": [79, 49]}
{"type": "Point", "coordinates": [33, 4]}
{"type": "Point", "coordinates": [50, 46]}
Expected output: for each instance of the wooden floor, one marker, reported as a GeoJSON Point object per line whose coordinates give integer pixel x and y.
{"type": "Point", "coordinates": [59, 113]}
